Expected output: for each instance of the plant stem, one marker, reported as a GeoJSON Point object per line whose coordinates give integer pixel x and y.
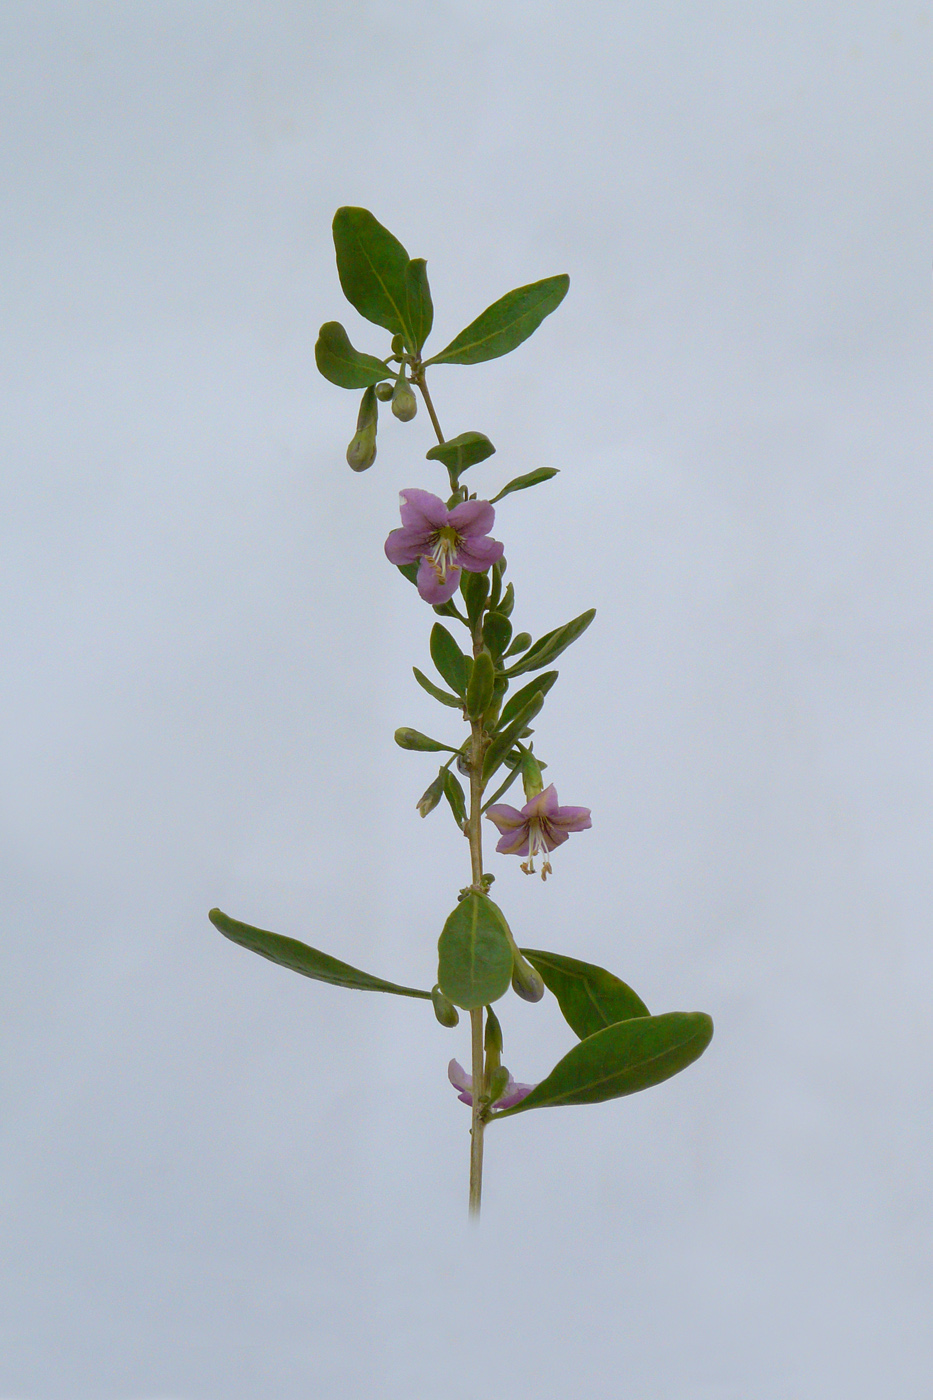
{"type": "Point", "coordinates": [474, 828]}
{"type": "Point", "coordinates": [419, 379]}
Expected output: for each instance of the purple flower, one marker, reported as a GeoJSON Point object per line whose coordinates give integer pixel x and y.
{"type": "Point", "coordinates": [537, 828]}
{"type": "Point", "coordinates": [445, 541]}
{"type": "Point", "coordinates": [463, 1083]}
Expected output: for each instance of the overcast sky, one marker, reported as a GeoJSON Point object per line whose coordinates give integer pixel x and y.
{"type": "Point", "coordinates": [221, 1181]}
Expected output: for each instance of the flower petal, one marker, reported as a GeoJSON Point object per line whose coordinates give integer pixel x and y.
{"type": "Point", "coordinates": [430, 586]}
{"type": "Point", "coordinates": [461, 1081]}
{"type": "Point", "coordinates": [471, 519]}
{"type": "Point", "coordinates": [571, 819]}
{"type": "Point", "coordinates": [420, 510]}
{"type": "Point", "coordinates": [477, 555]}
{"type": "Point", "coordinates": [406, 545]}
{"type": "Point", "coordinates": [514, 843]}
{"type": "Point", "coordinates": [506, 818]}
{"type": "Point", "coordinates": [514, 1093]}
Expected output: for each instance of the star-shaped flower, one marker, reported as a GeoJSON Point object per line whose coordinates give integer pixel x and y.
{"type": "Point", "coordinates": [463, 1083]}
{"type": "Point", "coordinates": [445, 541]}
{"type": "Point", "coordinates": [537, 828]}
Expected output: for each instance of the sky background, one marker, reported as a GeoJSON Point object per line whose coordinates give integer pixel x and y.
{"type": "Point", "coordinates": [220, 1181]}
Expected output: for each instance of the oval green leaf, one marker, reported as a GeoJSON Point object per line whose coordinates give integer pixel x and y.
{"type": "Point", "coordinates": [298, 957]}
{"type": "Point", "coordinates": [505, 324]}
{"type": "Point", "coordinates": [521, 697]}
{"type": "Point", "coordinates": [590, 998]}
{"type": "Point", "coordinates": [552, 644]}
{"type": "Point", "coordinates": [497, 631]}
{"type": "Point", "coordinates": [341, 364]}
{"type": "Point", "coordinates": [449, 659]}
{"type": "Point", "coordinates": [622, 1059]}
{"type": "Point", "coordinates": [521, 483]}
{"type": "Point", "coordinates": [474, 955]}
{"type": "Point", "coordinates": [461, 452]}
{"type": "Point", "coordinates": [378, 277]}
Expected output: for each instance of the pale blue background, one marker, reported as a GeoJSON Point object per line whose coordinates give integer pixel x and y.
{"type": "Point", "coordinates": [222, 1182]}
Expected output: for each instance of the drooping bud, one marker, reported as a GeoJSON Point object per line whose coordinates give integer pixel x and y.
{"type": "Point", "coordinates": [404, 403]}
{"type": "Point", "coordinates": [526, 982]}
{"type": "Point", "coordinates": [398, 345]}
{"type": "Point", "coordinates": [432, 795]}
{"type": "Point", "coordinates": [362, 450]}
{"type": "Point", "coordinates": [532, 781]}
{"type": "Point", "coordinates": [444, 1009]}
{"type": "Point", "coordinates": [384, 392]}
{"type": "Point", "coordinates": [492, 1040]}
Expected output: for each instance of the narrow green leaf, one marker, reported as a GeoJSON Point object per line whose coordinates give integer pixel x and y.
{"type": "Point", "coordinates": [461, 452]}
{"type": "Point", "coordinates": [521, 642]}
{"type": "Point", "coordinates": [435, 690]}
{"type": "Point", "coordinates": [552, 644]}
{"type": "Point", "coordinates": [589, 997]}
{"type": "Point", "coordinates": [521, 697]}
{"type": "Point", "coordinates": [474, 955]}
{"type": "Point", "coordinates": [288, 952]}
{"type": "Point", "coordinates": [341, 364]}
{"type": "Point", "coordinates": [455, 797]}
{"type": "Point", "coordinates": [379, 278]}
{"type": "Point", "coordinates": [521, 483]}
{"type": "Point", "coordinates": [449, 659]}
{"type": "Point", "coordinates": [412, 739]}
{"type": "Point", "coordinates": [505, 324]}
{"type": "Point", "coordinates": [475, 591]}
{"type": "Point", "coordinates": [479, 691]}
{"type": "Point", "coordinates": [505, 738]}
{"type": "Point", "coordinates": [431, 795]}
{"type": "Point", "coordinates": [496, 633]}
{"type": "Point", "coordinates": [622, 1059]}
{"type": "Point", "coordinates": [507, 602]}
{"type": "Point", "coordinates": [418, 307]}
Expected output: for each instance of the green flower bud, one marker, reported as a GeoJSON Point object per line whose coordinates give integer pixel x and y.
{"type": "Point", "coordinates": [384, 392]}
{"type": "Point", "coordinates": [404, 403]}
{"type": "Point", "coordinates": [362, 450]}
{"type": "Point", "coordinates": [444, 1009]}
{"type": "Point", "coordinates": [526, 982]}
{"type": "Point", "coordinates": [492, 1040]}
{"type": "Point", "coordinates": [398, 345]}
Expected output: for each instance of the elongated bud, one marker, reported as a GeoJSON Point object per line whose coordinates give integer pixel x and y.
{"type": "Point", "coordinates": [362, 450]}
{"type": "Point", "coordinates": [532, 781]}
{"type": "Point", "coordinates": [384, 392]}
{"type": "Point", "coordinates": [526, 982]}
{"type": "Point", "coordinates": [398, 345]}
{"type": "Point", "coordinates": [404, 403]}
{"type": "Point", "coordinates": [412, 739]}
{"type": "Point", "coordinates": [432, 795]}
{"type": "Point", "coordinates": [498, 1083]}
{"type": "Point", "coordinates": [492, 1040]}
{"type": "Point", "coordinates": [480, 688]}
{"type": "Point", "coordinates": [444, 1009]}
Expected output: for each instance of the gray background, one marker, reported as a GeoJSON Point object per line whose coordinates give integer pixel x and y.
{"type": "Point", "coordinates": [220, 1181]}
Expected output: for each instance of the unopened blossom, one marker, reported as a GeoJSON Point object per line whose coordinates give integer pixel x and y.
{"type": "Point", "coordinates": [445, 541]}
{"type": "Point", "coordinates": [535, 830]}
{"type": "Point", "coordinates": [463, 1083]}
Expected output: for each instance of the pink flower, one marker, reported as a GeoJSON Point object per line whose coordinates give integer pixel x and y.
{"type": "Point", "coordinates": [463, 1083]}
{"type": "Point", "coordinates": [537, 828]}
{"type": "Point", "coordinates": [445, 541]}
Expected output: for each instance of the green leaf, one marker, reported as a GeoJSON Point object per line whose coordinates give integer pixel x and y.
{"type": "Point", "coordinates": [622, 1059]}
{"type": "Point", "coordinates": [436, 691]}
{"type": "Point", "coordinates": [552, 644]}
{"type": "Point", "coordinates": [475, 590]}
{"type": "Point", "coordinates": [341, 364]}
{"type": "Point", "coordinates": [419, 307]}
{"type": "Point", "coordinates": [505, 324]}
{"type": "Point", "coordinates": [455, 797]}
{"type": "Point", "coordinates": [589, 997]}
{"type": "Point", "coordinates": [449, 659]}
{"type": "Point", "coordinates": [288, 952]}
{"type": "Point", "coordinates": [521, 483]}
{"type": "Point", "coordinates": [505, 738]}
{"type": "Point", "coordinates": [479, 691]}
{"type": "Point", "coordinates": [521, 642]}
{"type": "Point", "coordinates": [412, 739]}
{"type": "Point", "coordinates": [521, 697]}
{"type": "Point", "coordinates": [379, 278]}
{"type": "Point", "coordinates": [475, 959]}
{"type": "Point", "coordinates": [496, 633]}
{"type": "Point", "coordinates": [461, 452]}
